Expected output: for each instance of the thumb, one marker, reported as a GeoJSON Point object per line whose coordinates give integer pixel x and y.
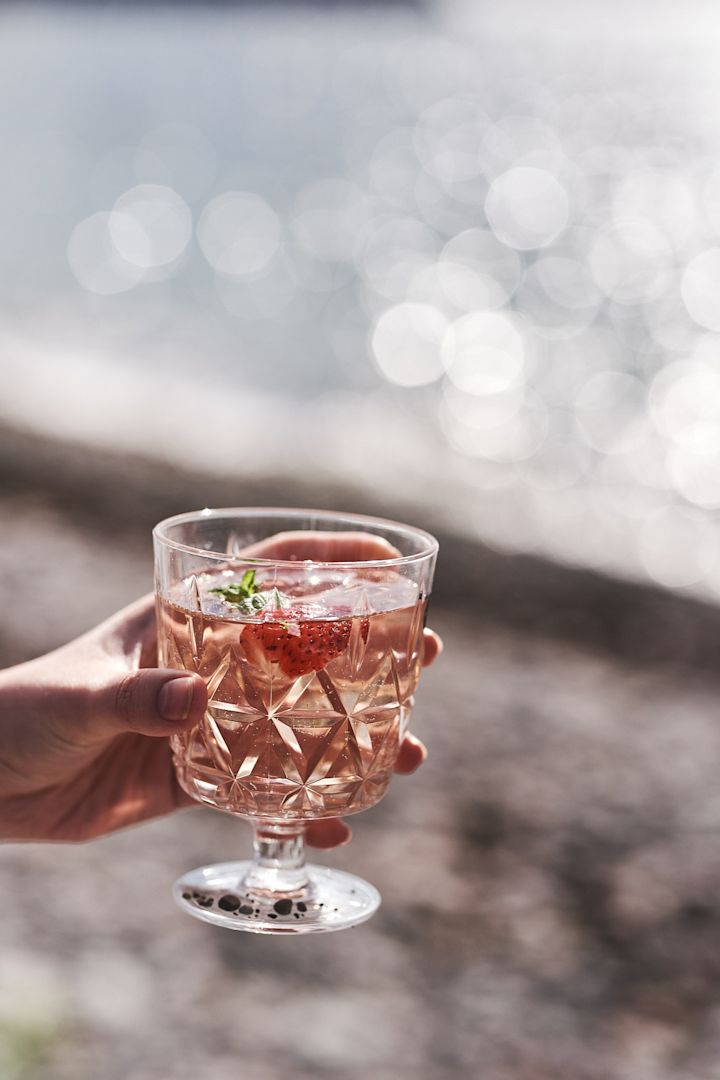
{"type": "Point", "coordinates": [149, 701]}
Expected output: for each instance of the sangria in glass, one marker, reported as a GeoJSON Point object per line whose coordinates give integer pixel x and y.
{"type": "Point", "coordinates": [311, 660]}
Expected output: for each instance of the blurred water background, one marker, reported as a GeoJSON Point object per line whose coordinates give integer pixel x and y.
{"type": "Point", "coordinates": [452, 261]}
{"type": "Point", "coordinates": [481, 245]}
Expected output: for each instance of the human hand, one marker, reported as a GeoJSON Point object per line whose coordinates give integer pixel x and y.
{"type": "Point", "coordinates": [84, 730]}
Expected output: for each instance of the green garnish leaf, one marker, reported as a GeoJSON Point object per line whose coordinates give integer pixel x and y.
{"type": "Point", "coordinates": [238, 590]}
{"type": "Point", "coordinates": [248, 582]}
{"type": "Point", "coordinates": [246, 597]}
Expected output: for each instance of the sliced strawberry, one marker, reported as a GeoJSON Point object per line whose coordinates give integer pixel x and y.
{"type": "Point", "coordinates": [302, 646]}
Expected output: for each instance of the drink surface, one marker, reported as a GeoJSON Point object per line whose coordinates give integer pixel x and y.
{"type": "Point", "coordinates": [308, 702]}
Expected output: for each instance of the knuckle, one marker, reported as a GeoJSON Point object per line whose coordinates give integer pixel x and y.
{"type": "Point", "coordinates": [125, 698]}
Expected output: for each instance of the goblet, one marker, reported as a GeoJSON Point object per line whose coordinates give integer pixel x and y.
{"type": "Point", "coordinates": [307, 628]}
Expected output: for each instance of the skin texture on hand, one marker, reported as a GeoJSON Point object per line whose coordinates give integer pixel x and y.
{"type": "Point", "coordinates": [84, 730]}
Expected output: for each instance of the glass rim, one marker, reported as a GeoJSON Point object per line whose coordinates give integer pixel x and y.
{"type": "Point", "coordinates": [367, 520]}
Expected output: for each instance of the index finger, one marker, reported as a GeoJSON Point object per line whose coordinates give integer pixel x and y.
{"type": "Point", "coordinates": [323, 547]}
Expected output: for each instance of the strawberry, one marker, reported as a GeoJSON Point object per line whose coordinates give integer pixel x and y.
{"type": "Point", "coordinates": [308, 646]}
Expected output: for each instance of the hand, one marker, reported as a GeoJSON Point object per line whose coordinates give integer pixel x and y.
{"type": "Point", "coordinates": [84, 730]}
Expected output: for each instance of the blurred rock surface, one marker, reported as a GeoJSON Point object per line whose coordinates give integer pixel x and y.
{"type": "Point", "coordinates": [550, 878]}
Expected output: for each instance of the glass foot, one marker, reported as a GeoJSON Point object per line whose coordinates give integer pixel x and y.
{"type": "Point", "coordinates": [333, 900]}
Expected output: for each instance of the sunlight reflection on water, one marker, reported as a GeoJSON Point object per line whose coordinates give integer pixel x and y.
{"type": "Point", "coordinates": [523, 258]}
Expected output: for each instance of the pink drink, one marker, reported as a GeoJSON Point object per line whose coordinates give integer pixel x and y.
{"type": "Point", "coordinates": [307, 705]}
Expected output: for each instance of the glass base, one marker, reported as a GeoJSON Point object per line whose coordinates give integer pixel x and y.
{"type": "Point", "coordinates": [333, 900]}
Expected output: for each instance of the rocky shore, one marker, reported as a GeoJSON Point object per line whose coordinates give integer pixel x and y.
{"type": "Point", "coordinates": [550, 878]}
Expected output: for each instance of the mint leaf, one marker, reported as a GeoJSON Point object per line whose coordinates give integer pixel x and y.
{"type": "Point", "coordinates": [237, 591]}
{"type": "Point", "coordinates": [246, 597]}
{"type": "Point", "coordinates": [248, 582]}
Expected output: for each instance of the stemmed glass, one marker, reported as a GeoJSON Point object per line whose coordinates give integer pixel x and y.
{"type": "Point", "coordinates": [307, 628]}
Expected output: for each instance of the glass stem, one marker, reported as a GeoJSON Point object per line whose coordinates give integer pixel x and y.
{"type": "Point", "coordinates": [279, 861]}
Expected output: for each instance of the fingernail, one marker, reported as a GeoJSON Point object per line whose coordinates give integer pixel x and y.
{"type": "Point", "coordinates": [418, 745]}
{"type": "Point", "coordinates": [341, 834]}
{"type": "Point", "coordinates": [175, 699]}
{"type": "Point", "coordinates": [328, 834]}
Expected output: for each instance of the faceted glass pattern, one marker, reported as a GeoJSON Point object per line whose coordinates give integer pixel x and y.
{"type": "Point", "coordinates": [321, 744]}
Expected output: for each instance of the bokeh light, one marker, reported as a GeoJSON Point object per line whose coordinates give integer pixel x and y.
{"type": "Point", "coordinates": [406, 344]}
{"type": "Point", "coordinates": [477, 271]}
{"type": "Point", "coordinates": [239, 233]}
{"type": "Point", "coordinates": [496, 430]}
{"type": "Point", "coordinates": [484, 352]}
{"type": "Point", "coordinates": [559, 296]}
{"type": "Point", "coordinates": [631, 261]}
{"type": "Point", "coordinates": [527, 207]}
{"type": "Point", "coordinates": [95, 259]}
{"type": "Point", "coordinates": [150, 226]}
{"type": "Point", "coordinates": [329, 219]}
{"type": "Point", "coordinates": [701, 288]}
{"type": "Point", "coordinates": [394, 251]}
{"type": "Point", "coordinates": [177, 155]}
